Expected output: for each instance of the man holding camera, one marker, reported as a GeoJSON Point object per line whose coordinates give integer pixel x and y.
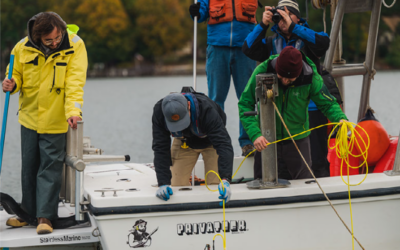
{"type": "Point", "coordinates": [229, 23]}
{"type": "Point", "coordinates": [298, 82]}
{"type": "Point", "coordinates": [291, 30]}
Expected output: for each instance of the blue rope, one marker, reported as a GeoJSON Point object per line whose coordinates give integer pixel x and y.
{"type": "Point", "coordinates": [4, 125]}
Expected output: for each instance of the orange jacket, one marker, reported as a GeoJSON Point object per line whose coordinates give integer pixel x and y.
{"type": "Point", "coordinates": [224, 11]}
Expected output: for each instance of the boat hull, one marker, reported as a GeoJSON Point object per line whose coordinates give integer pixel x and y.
{"type": "Point", "coordinates": [308, 225]}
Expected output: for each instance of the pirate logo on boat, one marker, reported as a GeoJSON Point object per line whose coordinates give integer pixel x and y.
{"type": "Point", "coordinates": [138, 237]}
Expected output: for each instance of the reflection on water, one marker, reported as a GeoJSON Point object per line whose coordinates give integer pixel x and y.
{"type": "Point", "coordinates": [117, 115]}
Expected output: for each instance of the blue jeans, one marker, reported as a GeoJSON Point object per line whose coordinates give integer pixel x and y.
{"type": "Point", "coordinates": [222, 62]}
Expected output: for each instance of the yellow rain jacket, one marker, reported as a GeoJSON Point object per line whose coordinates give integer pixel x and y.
{"type": "Point", "coordinates": [51, 89]}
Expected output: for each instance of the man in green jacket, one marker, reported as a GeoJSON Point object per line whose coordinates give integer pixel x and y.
{"type": "Point", "coordinates": [298, 82]}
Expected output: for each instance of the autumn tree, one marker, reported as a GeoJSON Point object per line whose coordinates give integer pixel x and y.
{"type": "Point", "coordinates": [104, 26]}
{"type": "Point", "coordinates": [164, 26]}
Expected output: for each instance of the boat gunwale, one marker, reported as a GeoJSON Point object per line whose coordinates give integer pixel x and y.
{"type": "Point", "coordinates": [179, 207]}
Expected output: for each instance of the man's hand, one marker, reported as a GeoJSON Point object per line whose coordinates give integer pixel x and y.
{"type": "Point", "coordinates": [260, 143]}
{"type": "Point", "coordinates": [73, 121]}
{"type": "Point", "coordinates": [8, 85]}
{"type": "Point", "coordinates": [225, 193]}
{"type": "Point", "coordinates": [286, 17]}
{"type": "Point", "coordinates": [194, 10]}
{"type": "Point", "coordinates": [341, 122]}
{"type": "Point", "coordinates": [164, 192]}
{"type": "Point", "coordinates": [267, 15]}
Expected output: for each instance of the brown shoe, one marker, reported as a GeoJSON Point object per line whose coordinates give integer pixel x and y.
{"type": "Point", "coordinates": [16, 222]}
{"type": "Point", "coordinates": [247, 150]}
{"type": "Point", "coordinates": [44, 226]}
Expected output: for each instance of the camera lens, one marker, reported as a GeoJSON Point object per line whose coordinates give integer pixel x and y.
{"type": "Point", "coordinates": [276, 18]}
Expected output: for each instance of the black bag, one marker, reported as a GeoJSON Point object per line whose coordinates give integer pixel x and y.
{"type": "Point", "coordinates": [332, 86]}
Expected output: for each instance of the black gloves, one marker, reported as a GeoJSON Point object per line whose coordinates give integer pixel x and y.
{"type": "Point", "coordinates": [194, 10]}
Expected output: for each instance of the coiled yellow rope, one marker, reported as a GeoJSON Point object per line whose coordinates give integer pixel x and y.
{"type": "Point", "coordinates": [344, 148]}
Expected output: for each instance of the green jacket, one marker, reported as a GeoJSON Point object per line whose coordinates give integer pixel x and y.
{"type": "Point", "coordinates": [292, 101]}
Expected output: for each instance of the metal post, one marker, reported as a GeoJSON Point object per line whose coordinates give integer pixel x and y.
{"type": "Point", "coordinates": [370, 57]}
{"type": "Point", "coordinates": [70, 179]}
{"type": "Point", "coordinates": [63, 183]}
{"type": "Point", "coordinates": [348, 70]}
{"type": "Point", "coordinates": [340, 84]}
{"type": "Point", "coordinates": [79, 175]}
{"type": "Point", "coordinates": [335, 35]}
{"type": "Point", "coordinates": [195, 51]}
{"type": "Point", "coordinates": [338, 60]}
{"type": "Point", "coordinates": [269, 162]}
{"type": "Point", "coordinates": [396, 165]}
{"type": "Point", "coordinates": [194, 67]}
{"type": "Point", "coordinates": [268, 155]}
{"type": "Point", "coordinates": [74, 183]}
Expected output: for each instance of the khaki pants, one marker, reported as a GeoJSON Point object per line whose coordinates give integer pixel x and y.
{"type": "Point", "coordinates": [184, 160]}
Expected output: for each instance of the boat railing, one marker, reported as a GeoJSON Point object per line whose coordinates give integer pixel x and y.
{"type": "Point", "coordinates": [79, 152]}
{"type": "Point", "coordinates": [338, 67]}
{"type": "Point", "coordinates": [333, 59]}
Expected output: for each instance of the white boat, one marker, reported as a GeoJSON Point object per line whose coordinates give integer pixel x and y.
{"type": "Point", "coordinates": [296, 217]}
{"type": "Point", "coordinates": [124, 212]}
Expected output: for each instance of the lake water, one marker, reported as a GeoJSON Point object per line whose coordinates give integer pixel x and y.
{"type": "Point", "coordinates": [117, 115]}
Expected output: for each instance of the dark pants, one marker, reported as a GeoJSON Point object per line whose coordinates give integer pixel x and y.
{"type": "Point", "coordinates": [319, 144]}
{"type": "Point", "coordinates": [42, 164]}
{"type": "Point", "coordinates": [290, 164]}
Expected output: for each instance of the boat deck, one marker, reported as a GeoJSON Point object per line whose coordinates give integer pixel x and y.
{"type": "Point", "coordinates": [27, 236]}
{"type": "Point", "coordinates": [137, 185]}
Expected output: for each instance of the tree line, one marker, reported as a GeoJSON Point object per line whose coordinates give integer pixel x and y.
{"type": "Point", "coordinates": [115, 31]}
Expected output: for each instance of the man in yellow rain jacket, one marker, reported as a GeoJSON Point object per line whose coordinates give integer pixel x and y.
{"type": "Point", "coordinates": [49, 73]}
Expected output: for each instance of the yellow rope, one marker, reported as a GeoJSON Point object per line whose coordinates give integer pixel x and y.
{"type": "Point", "coordinates": [343, 150]}
{"type": "Point", "coordinates": [223, 206]}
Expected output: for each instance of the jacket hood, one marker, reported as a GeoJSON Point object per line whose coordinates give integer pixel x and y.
{"type": "Point", "coordinates": [30, 27]}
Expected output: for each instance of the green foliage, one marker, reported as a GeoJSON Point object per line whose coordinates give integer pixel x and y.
{"type": "Point", "coordinates": [163, 26]}
{"type": "Point", "coordinates": [14, 17]}
{"type": "Point", "coordinates": [115, 30]}
{"type": "Point", "coordinates": [393, 57]}
{"type": "Point", "coordinates": [104, 26]}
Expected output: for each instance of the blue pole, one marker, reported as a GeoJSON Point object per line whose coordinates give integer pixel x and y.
{"type": "Point", "coordinates": [4, 125]}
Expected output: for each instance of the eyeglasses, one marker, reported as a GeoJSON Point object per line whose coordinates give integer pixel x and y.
{"type": "Point", "coordinates": [57, 40]}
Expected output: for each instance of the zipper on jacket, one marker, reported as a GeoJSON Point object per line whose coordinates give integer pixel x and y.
{"type": "Point", "coordinates": [54, 78]}
{"type": "Point", "coordinates": [20, 108]}
{"type": "Point", "coordinates": [284, 106]}
{"type": "Point", "coordinates": [282, 111]}
{"type": "Point", "coordinates": [326, 96]}
{"type": "Point", "coordinates": [234, 16]}
{"type": "Point", "coordinates": [231, 34]}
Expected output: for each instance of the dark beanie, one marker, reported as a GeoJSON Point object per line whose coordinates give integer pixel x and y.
{"type": "Point", "coordinates": [291, 5]}
{"type": "Point", "coordinates": [289, 63]}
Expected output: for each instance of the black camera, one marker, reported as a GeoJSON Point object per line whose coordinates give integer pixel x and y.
{"type": "Point", "coordinates": [276, 17]}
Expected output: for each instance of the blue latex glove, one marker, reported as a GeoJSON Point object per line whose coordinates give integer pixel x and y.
{"type": "Point", "coordinates": [226, 193]}
{"type": "Point", "coordinates": [164, 192]}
